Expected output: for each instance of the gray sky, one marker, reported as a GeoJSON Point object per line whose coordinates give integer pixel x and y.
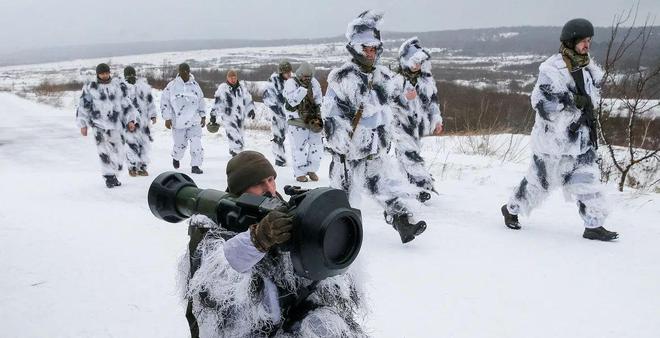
{"type": "Point", "coordinates": [28, 24]}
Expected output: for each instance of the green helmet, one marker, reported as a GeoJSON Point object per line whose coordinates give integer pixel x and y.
{"type": "Point", "coordinates": [212, 127]}
{"type": "Point", "coordinates": [305, 69]}
{"type": "Point", "coordinates": [284, 67]}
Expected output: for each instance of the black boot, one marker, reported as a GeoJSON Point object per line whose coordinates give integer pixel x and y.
{"type": "Point", "coordinates": [196, 170]}
{"type": "Point", "coordinates": [600, 234]}
{"type": "Point", "coordinates": [175, 164]}
{"type": "Point", "coordinates": [510, 220]}
{"type": "Point", "coordinates": [423, 196]}
{"type": "Point", "coordinates": [108, 181]}
{"type": "Point", "coordinates": [111, 181]}
{"type": "Point", "coordinates": [406, 230]}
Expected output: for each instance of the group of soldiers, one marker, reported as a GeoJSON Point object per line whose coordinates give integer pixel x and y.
{"type": "Point", "coordinates": [365, 108]}
{"type": "Point", "coordinates": [120, 114]}
{"type": "Point", "coordinates": [366, 111]}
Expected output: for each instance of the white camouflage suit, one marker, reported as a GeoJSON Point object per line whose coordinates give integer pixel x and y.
{"type": "Point", "coordinates": [183, 103]}
{"type": "Point", "coordinates": [107, 109]}
{"type": "Point", "coordinates": [417, 117]}
{"type": "Point", "coordinates": [360, 159]}
{"type": "Point", "coordinates": [562, 158]}
{"type": "Point", "coordinates": [232, 104]}
{"type": "Point", "coordinates": [274, 99]}
{"type": "Point", "coordinates": [306, 145]}
{"type": "Point", "coordinates": [237, 291]}
{"type": "Point", "coordinates": [138, 142]}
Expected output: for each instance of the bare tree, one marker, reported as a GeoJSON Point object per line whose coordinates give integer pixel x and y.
{"type": "Point", "coordinates": [629, 86]}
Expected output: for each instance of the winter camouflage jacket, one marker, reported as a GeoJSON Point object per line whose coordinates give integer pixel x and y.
{"type": "Point", "coordinates": [229, 303]}
{"type": "Point", "coordinates": [294, 93]}
{"type": "Point", "coordinates": [273, 94]}
{"type": "Point", "coordinates": [183, 103]}
{"type": "Point", "coordinates": [143, 100]}
{"type": "Point", "coordinates": [553, 99]}
{"type": "Point", "coordinates": [236, 102]}
{"type": "Point", "coordinates": [105, 106]}
{"type": "Point", "coordinates": [417, 117]}
{"type": "Point", "coordinates": [349, 91]}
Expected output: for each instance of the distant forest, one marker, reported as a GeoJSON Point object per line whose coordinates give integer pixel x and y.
{"type": "Point", "coordinates": [467, 42]}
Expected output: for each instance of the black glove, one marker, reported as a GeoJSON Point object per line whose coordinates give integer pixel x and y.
{"type": "Point", "coordinates": [212, 119]}
{"type": "Point", "coordinates": [582, 101]}
{"type": "Point", "coordinates": [574, 127]}
{"type": "Point", "coordinates": [251, 114]}
{"type": "Point", "coordinates": [273, 229]}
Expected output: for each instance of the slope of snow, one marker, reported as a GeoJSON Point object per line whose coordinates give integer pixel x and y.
{"type": "Point", "coordinates": [80, 260]}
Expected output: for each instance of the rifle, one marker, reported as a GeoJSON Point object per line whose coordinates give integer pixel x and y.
{"type": "Point", "coordinates": [309, 111]}
{"type": "Point", "coordinates": [587, 117]}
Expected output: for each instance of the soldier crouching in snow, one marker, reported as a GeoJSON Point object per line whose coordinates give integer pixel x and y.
{"type": "Point", "coordinates": [233, 103]}
{"type": "Point", "coordinates": [243, 285]}
{"type": "Point", "coordinates": [106, 107]}
{"type": "Point", "coordinates": [184, 110]}
{"type": "Point", "coordinates": [303, 104]}
{"type": "Point", "coordinates": [416, 113]}
{"type": "Point", "coordinates": [138, 142]}
{"type": "Point", "coordinates": [564, 139]}
{"type": "Point", "coordinates": [357, 119]}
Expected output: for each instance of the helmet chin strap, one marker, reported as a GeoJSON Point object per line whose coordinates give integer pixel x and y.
{"type": "Point", "coordinates": [361, 60]}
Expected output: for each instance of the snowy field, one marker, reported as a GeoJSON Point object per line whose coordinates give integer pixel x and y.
{"type": "Point", "coordinates": [322, 55]}
{"type": "Point", "coordinates": [80, 260]}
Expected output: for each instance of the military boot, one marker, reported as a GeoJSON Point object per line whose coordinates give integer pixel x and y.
{"type": "Point", "coordinates": [407, 231]}
{"type": "Point", "coordinates": [510, 220]}
{"type": "Point", "coordinates": [600, 234]}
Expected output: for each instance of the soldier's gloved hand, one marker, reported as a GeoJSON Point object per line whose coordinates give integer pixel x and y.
{"type": "Point", "coordinates": [582, 101]}
{"type": "Point", "coordinates": [203, 121]}
{"type": "Point", "coordinates": [168, 124]}
{"type": "Point", "coordinates": [273, 229]}
{"type": "Point", "coordinates": [83, 131]}
{"type": "Point", "coordinates": [575, 126]}
{"type": "Point", "coordinates": [213, 120]}
{"type": "Point", "coordinates": [251, 114]}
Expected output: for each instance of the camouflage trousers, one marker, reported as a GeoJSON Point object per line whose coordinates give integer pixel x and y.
{"type": "Point", "coordinates": [110, 147]}
{"type": "Point", "coordinates": [578, 177]}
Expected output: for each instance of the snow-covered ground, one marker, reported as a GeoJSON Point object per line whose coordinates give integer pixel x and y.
{"type": "Point", "coordinates": [80, 260]}
{"type": "Point", "coordinates": [322, 55]}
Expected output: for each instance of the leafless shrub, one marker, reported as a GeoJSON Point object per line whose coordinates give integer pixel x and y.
{"type": "Point", "coordinates": [630, 88]}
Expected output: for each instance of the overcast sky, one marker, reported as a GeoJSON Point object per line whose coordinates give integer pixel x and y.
{"type": "Point", "coordinates": [27, 24]}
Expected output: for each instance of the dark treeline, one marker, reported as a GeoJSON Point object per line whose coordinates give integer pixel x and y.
{"type": "Point", "coordinates": [467, 42]}
{"type": "Point", "coordinates": [465, 110]}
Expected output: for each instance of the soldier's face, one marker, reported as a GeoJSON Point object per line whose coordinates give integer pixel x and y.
{"type": "Point", "coordinates": [415, 68]}
{"type": "Point", "coordinates": [267, 185]}
{"type": "Point", "coordinates": [185, 75]}
{"type": "Point", "coordinates": [232, 79]}
{"type": "Point", "coordinates": [286, 75]}
{"type": "Point", "coordinates": [582, 47]}
{"type": "Point", "coordinates": [105, 76]}
{"type": "Point", "coordinates": [369, 52]}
